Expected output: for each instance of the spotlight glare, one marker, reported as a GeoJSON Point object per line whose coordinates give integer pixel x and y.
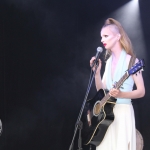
{"type": "Point", "coordinates": [131, 22]}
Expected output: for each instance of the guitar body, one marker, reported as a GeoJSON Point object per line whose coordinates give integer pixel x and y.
{"type": "Point", "coordinates": [95, 126]}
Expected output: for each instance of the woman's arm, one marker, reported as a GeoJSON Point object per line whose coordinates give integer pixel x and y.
{"type": "Point", "coordinates": [137, 93]}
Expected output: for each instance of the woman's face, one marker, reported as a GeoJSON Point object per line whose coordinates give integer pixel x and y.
{"type": "Point", "coordinates": [109, 37]}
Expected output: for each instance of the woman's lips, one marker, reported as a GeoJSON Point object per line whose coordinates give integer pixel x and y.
{"type": "Point", "coordinates": [104, 44]}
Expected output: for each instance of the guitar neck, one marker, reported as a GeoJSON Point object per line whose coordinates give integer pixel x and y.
{"type": "Point", "coordinates": [120, 82]}
{"type": "Point", "coordinates": [117, 86]}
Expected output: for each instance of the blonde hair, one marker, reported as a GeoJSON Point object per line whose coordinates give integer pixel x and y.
{"type": "Point", "coordinates": [124, 39]}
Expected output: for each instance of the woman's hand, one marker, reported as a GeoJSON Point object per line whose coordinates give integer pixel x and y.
{"type": "Point", "coordinates": [99, 66]}
{"type": "Point", "coordinates": [115, 93]}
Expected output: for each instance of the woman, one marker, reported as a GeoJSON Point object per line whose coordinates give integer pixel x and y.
{"type": "Point", "coordinates": [121, 134]}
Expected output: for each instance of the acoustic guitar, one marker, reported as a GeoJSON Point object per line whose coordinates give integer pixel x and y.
{"type": "Point", "coordinates": [98, 111]}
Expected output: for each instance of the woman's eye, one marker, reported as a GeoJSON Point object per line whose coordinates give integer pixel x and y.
{"type": "Point", "coordinates": [105, 35]}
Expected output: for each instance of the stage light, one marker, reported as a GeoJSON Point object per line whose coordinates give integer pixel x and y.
{"type": "Point", "coordinates": [131, 22]}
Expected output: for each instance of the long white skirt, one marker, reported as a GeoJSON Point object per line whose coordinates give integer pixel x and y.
{"type": "Point", "coordinates": [121, 134]}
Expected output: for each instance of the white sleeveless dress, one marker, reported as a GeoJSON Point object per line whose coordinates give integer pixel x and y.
{"type": "Point", "coordinates": [121, 134]}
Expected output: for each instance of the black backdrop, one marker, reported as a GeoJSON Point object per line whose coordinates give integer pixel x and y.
{"type": "Point", "coordinates": [45, 48]}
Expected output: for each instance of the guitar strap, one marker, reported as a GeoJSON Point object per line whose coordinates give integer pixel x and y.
{"type": "Point", "coordinates": [132, 61]}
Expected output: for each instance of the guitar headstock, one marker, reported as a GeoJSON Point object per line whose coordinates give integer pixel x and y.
{"type": "Point", "coordinates": [138, 66]}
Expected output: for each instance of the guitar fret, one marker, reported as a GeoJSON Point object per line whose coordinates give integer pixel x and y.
{"type": "Point", "coordinates": [120, 82]}
{"type": "Point", "coordinates": [105, 99]}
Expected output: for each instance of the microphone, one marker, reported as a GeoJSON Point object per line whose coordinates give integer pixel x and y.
{"type": "Point", "coordinates": [99, 50]}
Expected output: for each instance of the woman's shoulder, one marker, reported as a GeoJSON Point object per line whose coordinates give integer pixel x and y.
{"type": "Point", "coordinates": [128, 57]}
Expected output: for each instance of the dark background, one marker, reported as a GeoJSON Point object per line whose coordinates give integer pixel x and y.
{"type": "Point", "coordinates": [45, 48]}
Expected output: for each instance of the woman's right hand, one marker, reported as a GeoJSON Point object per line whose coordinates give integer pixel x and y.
{"type": "Point", "coordinates": [99, 66]}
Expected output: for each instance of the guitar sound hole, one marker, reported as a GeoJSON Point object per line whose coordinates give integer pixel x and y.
{"type": "Point", "coordinates": [96, 109]}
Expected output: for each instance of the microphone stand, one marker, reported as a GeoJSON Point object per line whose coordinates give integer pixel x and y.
{"type": "Point", "coordinates": [79, 123]}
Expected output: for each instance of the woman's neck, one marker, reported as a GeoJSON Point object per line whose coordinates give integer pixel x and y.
{"type": "Point", "coordinates": [116, 51]}
{"type": "Point", "coordinates": [116, 55]}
